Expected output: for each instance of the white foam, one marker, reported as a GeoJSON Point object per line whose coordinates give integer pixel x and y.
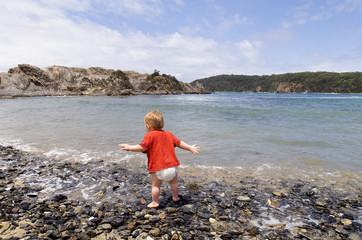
{"type": "Point", "coordinates": [87, 189]}
{"type": "Point", "coordinates": [19, 144]}
{"type": "Point", "coordinates": [270, 222]}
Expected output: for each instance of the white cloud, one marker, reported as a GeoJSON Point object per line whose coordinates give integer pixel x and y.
{"type": "Point", "coordinates": [311, 11]}
{"type": "Point", "coordinates": [45, 33]}
{"type": "Point", "coordinates": [228, 24]}
{"type": "Point", "coordinates": [44, 36]}
{"type": "Point", "coordinates": [148, 9]}
{"type": "Point", "coordinates": [179, 2]}
{"type": "Point", "coordinates": [249, 50]}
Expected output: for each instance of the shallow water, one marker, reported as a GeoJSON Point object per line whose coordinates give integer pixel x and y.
{"type": "Point", "coordinates": [240, 134]}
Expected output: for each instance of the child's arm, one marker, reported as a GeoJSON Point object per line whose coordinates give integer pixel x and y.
{"type": "Point", "coordinates": [133, 148]}
{"type": "Point", "coordinates": [194, 149]}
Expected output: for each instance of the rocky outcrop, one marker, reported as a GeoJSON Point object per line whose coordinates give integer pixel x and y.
{"type": "Point", "coordinates": [290, 87]}
{"type": "Point", "coordinates": [28, 80]}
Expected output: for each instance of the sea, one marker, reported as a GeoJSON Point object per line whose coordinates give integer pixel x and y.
{"type": "Point", "coordinates": [263, 135]}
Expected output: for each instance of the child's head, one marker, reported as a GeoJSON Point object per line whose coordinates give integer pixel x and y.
{"type": "Point", "coordinates": [154, 119]}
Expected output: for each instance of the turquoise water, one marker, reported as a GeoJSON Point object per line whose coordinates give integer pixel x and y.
{"type": "Point", "coordinates": [245, 131]}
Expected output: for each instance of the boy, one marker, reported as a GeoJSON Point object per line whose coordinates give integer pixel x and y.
{"type": "Point", "coordinates": [160, 148]}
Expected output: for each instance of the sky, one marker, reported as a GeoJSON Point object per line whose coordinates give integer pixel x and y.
{"type": "Point", "coordinates": [189, 39]}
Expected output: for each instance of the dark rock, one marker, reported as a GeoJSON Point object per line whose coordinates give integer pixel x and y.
{"type": "Point", "coordinates": [53, 234]}
{"type": "Point", "coordinates": [190, 208]}
{"type": "Point", "coordinates": [59, 198]}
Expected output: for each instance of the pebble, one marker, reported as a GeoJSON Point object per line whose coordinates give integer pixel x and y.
{"type": "Point", "coordinates": [115, 207]}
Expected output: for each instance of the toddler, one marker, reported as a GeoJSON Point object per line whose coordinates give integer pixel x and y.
{"type": "Point", "coordinates": [160, 148]}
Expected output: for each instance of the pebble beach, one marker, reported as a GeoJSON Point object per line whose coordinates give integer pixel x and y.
{"type": "Point", "coordinates": [42, 198]}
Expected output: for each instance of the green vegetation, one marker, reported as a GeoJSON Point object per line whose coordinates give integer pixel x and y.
{"type": "Point", "coordinates": [323, 82]}
{"type": "Point", "coordinates": [120, 74]}
{"type": "Point", "coordinates": [164, 81]}
{"type": "Point", "coordinates": [123, 83]}
{"type": "Point", "coordinates": [155, 73]}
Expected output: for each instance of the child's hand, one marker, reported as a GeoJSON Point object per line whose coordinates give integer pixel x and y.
{"type": "Point", "coordinates": [194, 149]}
{"type": "Point", "coordinates": [124, 146]}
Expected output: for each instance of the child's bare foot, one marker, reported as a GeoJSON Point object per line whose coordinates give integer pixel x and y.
{"type": "Point", "coordinates": [176, 199]}
{"type": "Point", "coordinates": [153, 205]}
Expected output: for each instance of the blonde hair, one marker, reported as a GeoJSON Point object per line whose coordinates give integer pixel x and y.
{"type": "Point", "coordinates": [154, 119]}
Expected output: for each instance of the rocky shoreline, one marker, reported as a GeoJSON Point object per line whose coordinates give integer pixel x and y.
{"type": "Point", "coordinates": [30, 81]}
{"type": "Point", "coordinates": [42, 198]}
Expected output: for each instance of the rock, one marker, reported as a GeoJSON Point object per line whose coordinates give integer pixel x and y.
{"type": "Point", "coordinates": [346, 221]}
{"type": "Point", "coordinates": [155, 232]}
{"type": "Point", "coordinates": [3, 215]}
{"type": "Point", "coordinates": [189, 208]}
{"type": "Point", "coordinates": [131, 226]}
{"type": "Point", "coordinates": [175, 237]}
{"type": "Point", "coordinates": [244, 198]}
{"type": "Point", "coordinates": [59, 198]}
{"type": "Point", "coordinates": [4, 226]}
{"type": "Point", "coordinates": [19, 182]}
{"type": "Point", "coordinates": [154, 218]}
{"type": "Point", "coordinates": [272, 203]}
{"type": "Point", "coordinates": [219, 226]}
{"type": "Point", "coordinates": [144, 236]}
{"type": "Point", "coordinates": [53, 234]}
{"type": "Point", "coordinates": [290, 87]}
{"type": "Point", "coordinates": [105, 226]}
{"type": "Point", "coordinates": [354, 236]}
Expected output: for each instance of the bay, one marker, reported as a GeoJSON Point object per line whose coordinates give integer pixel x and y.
{"type": "Point", "coordinates": [249, 133]}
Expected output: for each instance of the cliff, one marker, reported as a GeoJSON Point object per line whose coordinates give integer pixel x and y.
{"type": "Point", "coordinates": [28, 80]}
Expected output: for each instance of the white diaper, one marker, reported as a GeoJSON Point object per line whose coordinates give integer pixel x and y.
{"type": "Point", "coordinates": [167, 174]}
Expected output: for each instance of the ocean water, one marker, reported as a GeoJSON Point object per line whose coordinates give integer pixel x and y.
{"type": "Point", "coordinates": [240, 134]}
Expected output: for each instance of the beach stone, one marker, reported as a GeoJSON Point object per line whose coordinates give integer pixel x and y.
{"type": "Point", "coordinates": [346, 221]}
{"type": "Point", "coordinates": [105, 226]}
{"type": "Point", "coordinates": [53, 234]}
{"type": "Point", "coordinates": [244, 198]}
{"type": "Point", "coordinates": [19, 182]}
{"type": "Point", "coordinates": [155, 232]}
{"type": "Point", "coordinates": [144, 236]}
{"type": "Point", "coordinates": [354, 236]}
{"type": "Point", "coordinates": [154, 219]}
{"type": "Point", "coordinates": [59, 198]}
{"type": "Point", "coordinates": [271, 203]}
{"type": "Point", "coordinates": [39, 223]}
{"type": "Point", "coordinates": [175, 237]}
{"type": "Point", "coordinates": [25, 205]}
{"type": "Point", "coordinates": [172, 209]}
{"type": "Point", "coordinates": [3, 215]}
{"type": "Point", "coordinates": [189, 208]}
{"type": "Point", "coordinates": [13, 233]}
{"type": "Point", "coordinates": [219, 226]}
{"type": "Point", "coordinates": [131, 226]}
{"type": "Point", "coordinates": [4, 226]}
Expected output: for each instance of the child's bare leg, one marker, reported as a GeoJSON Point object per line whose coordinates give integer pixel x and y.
{"type": "Point", "coordinates": [156, 184]}
{"type": "Point", "coordinates": [174, 188]}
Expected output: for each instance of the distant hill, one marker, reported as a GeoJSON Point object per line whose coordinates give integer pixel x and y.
{"type": "Point", "coordinates": [308, 82]}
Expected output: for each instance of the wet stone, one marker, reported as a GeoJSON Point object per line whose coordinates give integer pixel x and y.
{"type": "Point", "coordinates": [190, 208]}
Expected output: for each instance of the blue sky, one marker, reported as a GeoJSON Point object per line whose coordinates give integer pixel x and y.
{"type": "Point", "coordinates": [189, 39]}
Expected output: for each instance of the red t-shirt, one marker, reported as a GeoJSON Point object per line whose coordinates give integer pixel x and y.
{"type": "Point", "coordinates": [160, 146]}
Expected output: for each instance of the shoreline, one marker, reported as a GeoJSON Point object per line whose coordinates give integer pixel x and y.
{"type": "Point", "coordinates": [43, 198]}
{"type": "Point", "coordinates": [15, 96]}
